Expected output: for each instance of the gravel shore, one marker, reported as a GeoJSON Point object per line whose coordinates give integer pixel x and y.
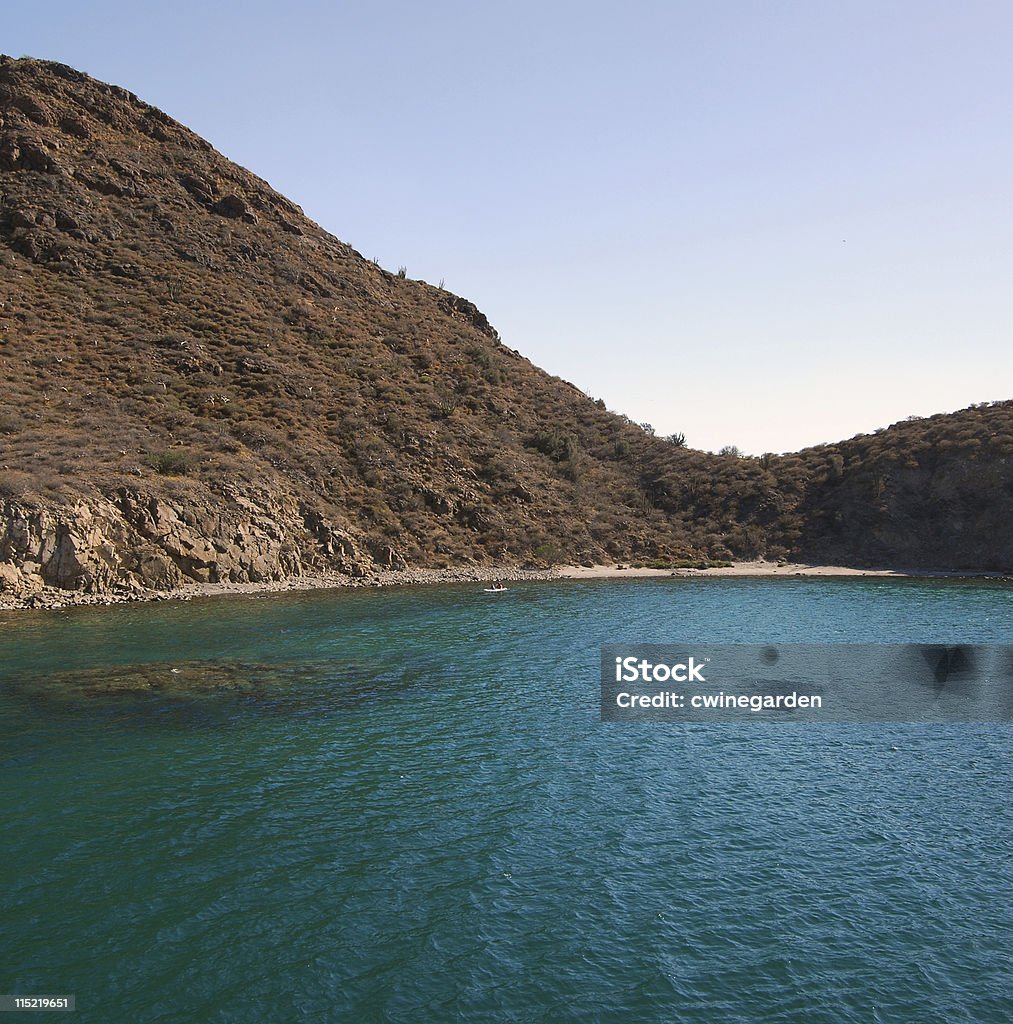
{"type": "Point", "coordinates": [53, 598]}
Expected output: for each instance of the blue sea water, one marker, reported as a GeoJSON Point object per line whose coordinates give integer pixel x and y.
{"type": "Point", "coordinates": [401, 805]}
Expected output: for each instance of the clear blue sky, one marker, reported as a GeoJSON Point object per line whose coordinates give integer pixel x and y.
{"type": "Point", "coordinates": [767, 224]}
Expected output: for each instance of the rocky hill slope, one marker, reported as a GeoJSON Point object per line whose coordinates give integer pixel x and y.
{"type": "Point", "coordinates": [199, 383]}
{"type": "Point", "coordinates": [930, 493]}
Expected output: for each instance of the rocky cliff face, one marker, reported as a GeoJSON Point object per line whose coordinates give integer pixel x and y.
{"type": "Point", "coordinates": [139, 542]}
{"type": "Point", "coordinates": [198, 383]}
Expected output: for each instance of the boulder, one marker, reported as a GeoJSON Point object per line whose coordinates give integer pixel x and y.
{"type": "Point", "coordinates": [236, 207]}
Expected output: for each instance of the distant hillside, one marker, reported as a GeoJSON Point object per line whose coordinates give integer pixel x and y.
{"type": "Point", "coordinates": [199, 383]}
{"type": "Point", "coordinates": [924, 493]}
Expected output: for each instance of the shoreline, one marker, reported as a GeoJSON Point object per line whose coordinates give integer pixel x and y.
{"type": "Point", "coordinates": [760, 567]}
{"type": "Point", "coordinates": [51, 598]}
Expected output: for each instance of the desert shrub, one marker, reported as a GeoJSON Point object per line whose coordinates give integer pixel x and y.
{"type": "Point", "coordinates": [10, 423]}
{"type": "Point", "coordinates": [547, 551]}
{"type": "Point", "coordinates": [171, 462]}
{"type": "Point", "coordinates": [557, 445]}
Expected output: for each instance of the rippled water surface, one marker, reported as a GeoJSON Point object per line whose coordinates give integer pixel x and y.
{"type": "Point", "coordinates": [401, 805]}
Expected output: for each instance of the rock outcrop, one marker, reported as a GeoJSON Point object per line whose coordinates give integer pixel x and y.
{"type": "Point", "coordinates": [140, 542]}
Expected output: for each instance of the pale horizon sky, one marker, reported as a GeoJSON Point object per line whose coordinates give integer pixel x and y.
{"type": "Point", "coordinates": [762, 224]}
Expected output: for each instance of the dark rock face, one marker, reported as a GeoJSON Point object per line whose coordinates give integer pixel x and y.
{"type": "Point", "coordinates": [454, 304]}
{"type": "Point", "coordinates": [200, 188]}
{"type": "Point", "coordinates": [197, 383]}
{"type": "Point", "coordinates": [234, 206]}
{"type": "Point", "coordinates": [936, 509]}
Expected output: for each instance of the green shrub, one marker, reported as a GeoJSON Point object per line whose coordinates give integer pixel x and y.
{"type": "Point", "coordinates": [171, 462]}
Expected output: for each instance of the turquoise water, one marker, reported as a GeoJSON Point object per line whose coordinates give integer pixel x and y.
{"type": "Point", "coordinates": [401, 805]}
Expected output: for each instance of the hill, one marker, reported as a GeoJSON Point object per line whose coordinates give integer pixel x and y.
{"type": "Point", "coordinates": [199, 383]}
{"type": "Point", "coordinates": [928, 493]}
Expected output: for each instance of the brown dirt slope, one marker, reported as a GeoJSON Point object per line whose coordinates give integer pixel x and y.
{"type": "Point", "coordinates": [199, 383]}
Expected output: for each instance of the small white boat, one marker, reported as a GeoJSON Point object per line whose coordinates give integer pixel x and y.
{"type": "Point", "coordinates": [496, 590]}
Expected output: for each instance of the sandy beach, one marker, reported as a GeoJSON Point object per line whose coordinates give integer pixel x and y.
{"type": "Point", "coordinates": [755, 568]}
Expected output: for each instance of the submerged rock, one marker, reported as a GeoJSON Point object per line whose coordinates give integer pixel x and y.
{"type": "Point", "coordinates": [179, 679]}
